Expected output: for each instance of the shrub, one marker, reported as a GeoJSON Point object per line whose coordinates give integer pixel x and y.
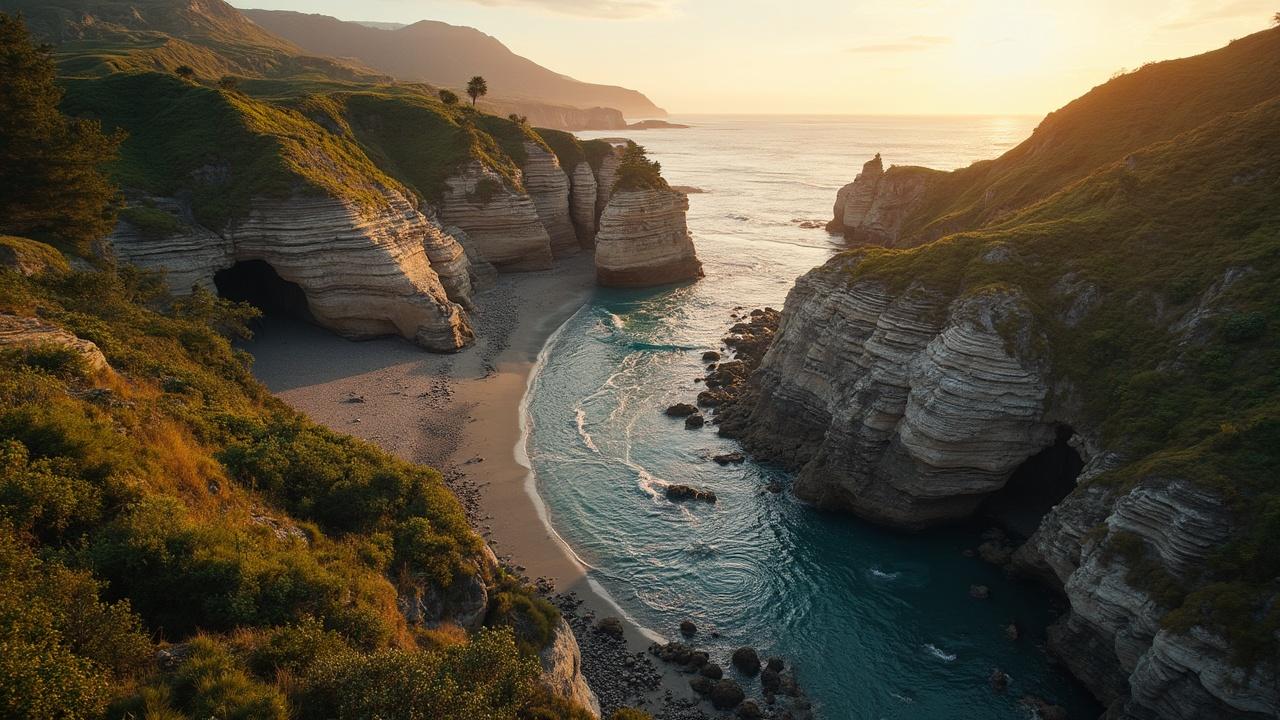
{"type": "Point", "coordinates": [637, 172]}
{"type": "Point", "coordinates": [531, 618]}
{"type": "Point", "coordinates": [1244, 327]}
{"type": "Point", "coordinates": [46, 497]}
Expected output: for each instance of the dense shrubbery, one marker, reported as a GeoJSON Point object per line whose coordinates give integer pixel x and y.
{"type": "Point", "coordinates": [637, 172]}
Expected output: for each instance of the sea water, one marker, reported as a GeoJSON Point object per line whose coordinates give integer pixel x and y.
{"type": "Point", "coordinates": [878, 624]}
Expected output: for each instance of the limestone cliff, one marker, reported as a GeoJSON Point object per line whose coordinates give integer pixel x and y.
{"type": "Point", "coordinates": [501, 223]}
{"type": "Point", "coordinates": [364, 271]}
{"type": "Point", "coordinates": [548, 187]}
{"type": "Point", "coordinates": [582, 203]}
{"type": "Point", "coordinates": [606, 176]}
{"type": "Point", "coordinates": [872, 208]}
{"type": "Point", "coordinates": [644, 241]}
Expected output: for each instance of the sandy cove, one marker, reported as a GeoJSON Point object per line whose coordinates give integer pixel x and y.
{"type": "Point", "coordinates": [460, 413]}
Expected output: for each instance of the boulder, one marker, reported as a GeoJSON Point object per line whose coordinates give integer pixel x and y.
{"type": "Point", "coordinates": [610, 626]}
{"type": "Point", "coordinates": [710, 356]}
{"type": "Point", "coordinates": [688, 629]}
{"type": "Point", "coordinates": [680, 410]}
{"type": "Point", "coordinates": [688, 492]}
{"type": "Point", "coordinates": [711, 670]}
{"type": "Point", "coordinates": [735, 458]}
{"type": "Point", "coordinates": [746, 660]}
{"type": "Point", "coordinates": [726, 694]}
{"type": "Point", "coordinates": [695, 421]}
{"type": "Point", "coordinates": [749, 710]}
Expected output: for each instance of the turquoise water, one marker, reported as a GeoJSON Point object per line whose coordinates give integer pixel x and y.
{"type": "Point", "coordinates": [878, 624]}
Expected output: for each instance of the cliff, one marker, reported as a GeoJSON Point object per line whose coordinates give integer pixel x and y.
{"type": "Point", "coordinates": [873, 207]}
{"type": "Point", "coordinates": [502, 224]}
{"type": "Point", "coordinates": [548, 185]}
{"type": "Point", "coordinates": [1122, 323]}
{"type": "Point", "coordinates": [643, 240]}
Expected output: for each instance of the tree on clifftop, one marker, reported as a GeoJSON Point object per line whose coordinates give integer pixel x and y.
{"type": "Point", "coordinates": [637, 172]}
{"type": "Point", "coordinates": [477, 88]}
{"type": "Point", "coordinates": [51, 187]}
{"type": "Point", "coordinates": [448, 97]}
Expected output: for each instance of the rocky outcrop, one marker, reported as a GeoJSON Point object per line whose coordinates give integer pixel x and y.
{"type": "Point", "coordinates": [561, 662]}
{"type": "Point", "coordinates": [548, 186]}
{"type": "Point", "coordinates": [365, 271]}
{"type": "Point", "coordinates": [28, 257]}
{"type": "Point", "coordinates": [33, 333]}
{"type": "Point", "coordinates": [502, 224]}
{"type": "Point", "coordinates": [189, 255]}
{"type": "Point", "coordinates": [481, 272]}
{"type": "Point", "coordinates": [582, 204]}
{"type": "Point", "coordinates": [871, 209]}
{"type": "Point", "coordinates": [898, 406]}
{"type": "Point", "coordinates": [1113, 638]}
{"type": "Point", "coordinates": [643, 240]}
{"type": "Point", "coordinates": [606, 176]}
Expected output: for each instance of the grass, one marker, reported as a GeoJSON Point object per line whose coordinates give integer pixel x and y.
{"type": "Point", "coordinates": [30, 252]}
{"type": "Point", "coordinates": [569, 151]}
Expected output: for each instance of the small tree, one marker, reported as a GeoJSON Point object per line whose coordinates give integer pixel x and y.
{"type": "Point", "coordinates": [228, 82]}
{"type": "Point", "coordinates": [51, 187]}
{"type": "Point", "coordinates": [448, 97]}
{"type": "Point", "coordinates": [518, 119]}
{"type": "Point", "coordinates": [477, 88]}
{"type": "Point", "coordinates": [1275, 19]}
{"type": "Point", "coordinates": [186, 72]}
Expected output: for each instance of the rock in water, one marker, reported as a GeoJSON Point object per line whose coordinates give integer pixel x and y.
{"type": "Point", "coordinates": [548, 186]}
{"type": "Point", "coordinates": [694, 421]}
{"type": "Point", "coordinates": [734, 458]}
{"type": "Point", "coordinates": [726, 694]}
{"type": "Point", "coordinates": [643, 240]}
{"type": "Point", "coordinates": [746, 660]}
{"type": "Point", "coordinates": [680, 410]}
{"type": "Point", "coordinates": [711, 670]}
{"type": "Point", "coordinates": [688, 629]}
{"type": "Point", "coordinates": [686, 492]}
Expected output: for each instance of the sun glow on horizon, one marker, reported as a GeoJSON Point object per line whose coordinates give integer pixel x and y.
{"type": "Point", "coordinates": [916, 57]}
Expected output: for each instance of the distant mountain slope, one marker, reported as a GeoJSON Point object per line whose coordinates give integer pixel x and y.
{"type": "Point", "coordinates": [96, 37]}
{"type": "Point", "coordinates": [448, 55]}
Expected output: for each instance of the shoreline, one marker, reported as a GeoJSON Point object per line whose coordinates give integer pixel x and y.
{"type": "Point", "coordinates": [465, 414]}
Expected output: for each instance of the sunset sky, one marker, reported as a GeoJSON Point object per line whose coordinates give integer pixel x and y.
{"type": "Point", "coordinates": [835, 56]}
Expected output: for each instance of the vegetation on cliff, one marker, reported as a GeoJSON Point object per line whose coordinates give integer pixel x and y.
{"type": "Point", "coordinates": [1151, 264]}
{"type": "Point", "coordinates": [637, 172]}
{"type": "Point", "coordinates": [174, 542]}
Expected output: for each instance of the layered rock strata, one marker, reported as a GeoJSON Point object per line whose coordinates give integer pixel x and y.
{"type": "Point", "coordinates": [872, 208]}
{"type": "Point", "coordinates": [548, 187]}
{"type": "Point", "coordinates": [644, 241]}
{"type": "Point", "coordinates": [30, 333]}
{"type": "Point", "coordinates": [502, 224]}
{"type": "Point", "coordinates": [365, 272]}
{"type": "Point", "coordinates": [606, 176]}
{"type": "Point", "coordinates": [582, 204]}
{"type": "Point", "coordinates": [480, 271]}
{"type": "Point", "coordinates": [909, 407]}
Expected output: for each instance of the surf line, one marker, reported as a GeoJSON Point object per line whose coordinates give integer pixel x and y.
{"type": "Point", "coordinates": [521, 452]}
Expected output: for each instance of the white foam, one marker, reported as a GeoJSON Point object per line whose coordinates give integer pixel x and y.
{"type": "Point", "coordinates": [939, 653]}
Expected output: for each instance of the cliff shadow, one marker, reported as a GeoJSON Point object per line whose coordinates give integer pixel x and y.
{"type": "Point", "coordinates": [1040, 482]}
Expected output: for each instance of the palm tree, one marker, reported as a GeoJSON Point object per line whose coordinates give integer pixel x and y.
{"type": "Point", "coordinates": [448, 97]}
{"type": "Point", "coordinates": [477, 88]}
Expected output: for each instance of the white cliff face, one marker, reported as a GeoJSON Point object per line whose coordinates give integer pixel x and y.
{"type": "Point", "coordinates": [871, 209]}
{"type": "Point", "coordinates": [606, 176]}
{"type": "Point", "coordinates": [501, 224]}
{"type": "Point", "coordinates": [914, 409]}
{"type": "Point", "coordinates": [644, 241]}
{"type": "Point", "coordinates": [189, 257]}
{"type": "Point", "coordinates": [561, 663]}
{"type": "Point", "coordinates": [548, 186]}
{"type": "Point", "coordinates": [909, 407]}
{"type": "Point", "coordinates": [365, 272]}
{"type": "Point", "coordinates": [582, 204]}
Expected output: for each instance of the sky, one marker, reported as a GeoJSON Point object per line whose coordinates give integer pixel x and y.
{"type": "Point", "coordinates": [935, 57]}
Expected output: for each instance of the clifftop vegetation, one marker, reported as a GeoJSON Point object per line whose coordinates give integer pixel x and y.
{"type": "Point", "coordinates": [637, 172]}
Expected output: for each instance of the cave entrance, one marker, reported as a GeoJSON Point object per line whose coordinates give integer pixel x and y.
{"type": "Point", "coordinates": [1038, 484]}
{"type": "Point", "coordinates": [257, 283]}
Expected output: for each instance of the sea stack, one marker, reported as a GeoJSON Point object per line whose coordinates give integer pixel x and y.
{"type": "Point", "coordinates": [643, 239]}
{"type": "Point", "coordinates": [872, 208]}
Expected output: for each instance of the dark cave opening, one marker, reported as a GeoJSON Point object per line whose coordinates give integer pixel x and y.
{"type": "Point", "coordinates": [257, 283]}
{"type": "Point", "coordinates": [1038, 484]}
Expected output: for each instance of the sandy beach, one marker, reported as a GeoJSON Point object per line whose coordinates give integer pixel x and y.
{"type": "Point", "coordinates": [459, 413]}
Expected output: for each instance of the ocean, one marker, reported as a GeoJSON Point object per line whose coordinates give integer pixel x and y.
{"type": "Point", "coordinates": [877, 624]}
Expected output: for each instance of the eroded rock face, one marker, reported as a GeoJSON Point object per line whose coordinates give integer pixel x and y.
{"type": "Point", "coordinates": [548, 186]}
{"type": "Point", "coordinates": [643, 240]}
{"type": "Point", "coordinates": [582, 204]}
{"type": "Point", "coordinates": [562, 669]}
{"type": "Point", "coordinates": [31, 332]}
{"type": "Point", "coordinates": [908, 407]}
{"type": "Point", "coordinates": [481, 272]}
{"type": "Point", "coordinates": [900, 407]}
{"type": "Point", "coordinates": [606, 176]}
{"type": "Point", "coordinates": [502, 225]}
{"type": "Point", "coordinates": [1113, 639]}
{"type": "Point", "coordinates": [365, 271]}
{"type": "Point", "coordinates": [872, 207]}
